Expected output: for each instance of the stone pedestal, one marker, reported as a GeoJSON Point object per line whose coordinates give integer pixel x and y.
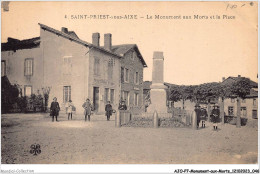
{"type": "Point", "coordinates": [158, 89]}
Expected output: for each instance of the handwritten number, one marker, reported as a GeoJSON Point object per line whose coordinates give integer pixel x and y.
{"type": "Point", "coordinates": [231, 6]}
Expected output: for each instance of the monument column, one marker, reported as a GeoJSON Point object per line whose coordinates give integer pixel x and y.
{"type": "Point", "coordinates": [158, 92]}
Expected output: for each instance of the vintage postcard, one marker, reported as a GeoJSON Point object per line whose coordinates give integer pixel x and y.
{"type": "Point", "coordinates": [129, 83]}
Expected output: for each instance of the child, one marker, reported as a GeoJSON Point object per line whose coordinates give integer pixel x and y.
{"type": "Point", "coordinates": [70, 109]}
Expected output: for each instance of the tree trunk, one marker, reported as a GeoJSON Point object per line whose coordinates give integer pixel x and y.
{"type": "Point", "coordinates": [208, 108]}
{"type": "Point", "coordinates": [238, 112]}
{"type": "Point", "coordinates": [222, 113]}
{"type": "Point", "coordinates": [182, 114]}
{"type": "Point", "coordinates": [221, 109]}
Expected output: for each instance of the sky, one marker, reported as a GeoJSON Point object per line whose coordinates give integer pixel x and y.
{"type": "Point", "coordinates": [195, 51]}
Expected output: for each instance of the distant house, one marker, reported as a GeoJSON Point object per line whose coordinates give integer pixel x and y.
{"type": "Point", "coordinates": [249, 105]}
{"type": "Point", "coordinates": [73, 68]}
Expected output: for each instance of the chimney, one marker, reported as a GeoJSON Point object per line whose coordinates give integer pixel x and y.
{"type": "Point", "coordinates": [108, 41]}
{"type": "Point", "coordinates": [95, 39]}
{"type": "Point", "coordinates": [239, 76]}
{"type": "Point", "coordinates": [64, 30]}
{"type": "Point", "coordinates": [223, 78]}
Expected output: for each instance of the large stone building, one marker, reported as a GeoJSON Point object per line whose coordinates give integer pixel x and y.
{"type": "Point", "coordinates": [75, 69]}
{"type": "Point", "coordinates": [132, 65]}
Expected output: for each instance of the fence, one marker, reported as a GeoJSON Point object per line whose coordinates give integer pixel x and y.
{"type": "Point", "coordinates": [176, 115]}
{"type": "Point", "coordinates": [175, 118]}
{"type": "Point", "coordinates": [123, 117]}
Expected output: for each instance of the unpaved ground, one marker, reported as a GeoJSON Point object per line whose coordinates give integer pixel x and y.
{"type": "Point", "coordinates": [98, 141]}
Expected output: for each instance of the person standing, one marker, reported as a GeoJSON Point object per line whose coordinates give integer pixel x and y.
{"type": "Point", "coordinates": [122, 105]}
{"type": "Point", "coordinates": [88, 108]}
{"type": "Point", "coordinates": [198, 112]}
{"type": "Point", "coordinates": [55, 108]}
{"type": "Point", "coordinates": [215, 116]}
{"type": "Point", "coordinates": [203, 116]}
{"type": "Point", "coordinates": [70, 109]}
{"type": "Point", "coordinates": [108, 110]}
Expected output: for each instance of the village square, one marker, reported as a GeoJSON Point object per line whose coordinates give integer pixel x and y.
{"type": "Point", "coordinates": [68, 101]}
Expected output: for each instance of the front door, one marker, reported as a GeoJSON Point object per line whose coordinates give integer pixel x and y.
{"type": "Point", "coordinates": [96, 98]}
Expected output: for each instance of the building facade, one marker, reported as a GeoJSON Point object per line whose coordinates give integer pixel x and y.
{"type": "Point", "coordinates": [73, 69]}
{"type": "Point", "coordinates": [131, 71]}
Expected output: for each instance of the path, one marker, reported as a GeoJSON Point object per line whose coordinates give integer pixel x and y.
{"type": "Point", "coordinates": [98, 142]}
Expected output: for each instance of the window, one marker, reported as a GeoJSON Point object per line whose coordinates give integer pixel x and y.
{"type": "Point", "coordinates": [136, 99]}
{"type": "Point", "coordinates": [96, 66]}
{"type": "Point", "coordinates": [126, 75]}
{"type": "Point", "coordinates": [230, 110]}
{"type": "Point", "coordinates": [243, 110]}
{"type": "Point", "coordinates": [125, 97]}
{"type": "Point", "coordinates": [136, 78]}
{"type": "Point", "coordinates": [233, 100]}
{"type": "Point", "coordinates": [243, 100]}
{"type": "Point", "coordinates": [67, 65]}
{"type": "Point", "coordinates": [122, 75]}
{"type": "Point", "coordinates": [132, 55]}
{"type": "Point", "coordinates": [66, 94]}
{"type": "Point", "coordinates": [254, 102]}
{"type": "Point", "coordinates": [27, 90]}
{"type": "Point", "coordinates": [110, 69]}
{"type": "Point", "coordinates": [254, 114]}
{"type": "Point", "coordinates": [3, 68]}
{"type": "Point", "coordinates": [106, 95]}
{"type": "Point", "coordinates": [28, 67]}
{"type": "Point", "coordinates": [112, 96]}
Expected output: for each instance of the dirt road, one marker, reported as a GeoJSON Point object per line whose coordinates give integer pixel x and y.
{"type": "Point", "coordinates": [98, 142]}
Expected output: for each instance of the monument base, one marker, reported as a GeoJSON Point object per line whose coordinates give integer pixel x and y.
{"type": "Point", "coordinates": [158, 99]}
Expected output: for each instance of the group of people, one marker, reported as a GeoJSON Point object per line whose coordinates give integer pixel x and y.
{"type": "Point", "coordinates": [88, 108]}
{"type": "Point", "coordinates": [202, 116]}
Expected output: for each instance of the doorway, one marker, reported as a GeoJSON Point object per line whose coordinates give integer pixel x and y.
{"type": "Point", "coordinates": [96, 98]}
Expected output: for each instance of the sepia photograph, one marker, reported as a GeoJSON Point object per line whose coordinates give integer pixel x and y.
{"type": "Point", "coordinates": [129, 82]}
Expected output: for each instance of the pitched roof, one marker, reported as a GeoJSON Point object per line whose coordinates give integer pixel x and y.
{"type": "Point", "coordinates": [231, 79]}
{"type": "Point", "coordinates": [15, 44]}
{"type": "Point", "coordinates": [124, 48]}
{"type": "Point", "coordinates": [77, 40]}
{"type": "Point", "coordinates": [73, 34]}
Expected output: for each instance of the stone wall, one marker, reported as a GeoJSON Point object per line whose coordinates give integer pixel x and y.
{"type": "Point", "coordinates": [134, 65]}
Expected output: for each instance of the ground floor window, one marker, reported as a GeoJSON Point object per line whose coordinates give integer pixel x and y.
{"type": "Point", "coordinates": [28, 90]}
{"type": "Point", "coordinates": [106, 99]}
{"type": "Point", "coordinates": [66, 93]}
{"type": "Point", "coordinates": [125, 97]}
{"type": "Point", "coordinates": [230, 110]}
{"type": "Point", "coordinates": [254, 113]}
{"type": "Point", "coordinates": [243, 110]}
{"type": "Point", "coordinates": [112, 96]}
{"type": "Point", "coordinates": [3, 68]}
{"type": "Point", "coordinates": [136, 96]}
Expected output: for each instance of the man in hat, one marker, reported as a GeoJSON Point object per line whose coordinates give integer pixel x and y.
{"type": "Point", "coordinates": [55, 108]}
{"type": "Point", "coordinates": [203, 116]}
{"type": "Point", "coordinates": [108, 110]}
{"type": "Point", "coordinates": [88, 107]}
{"type": "Point", "coordinates": [198, 113]}
{"type": "Point", "coordinates": [122, 105]}
{"type": "Point", "coordinates": [215, 116]}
